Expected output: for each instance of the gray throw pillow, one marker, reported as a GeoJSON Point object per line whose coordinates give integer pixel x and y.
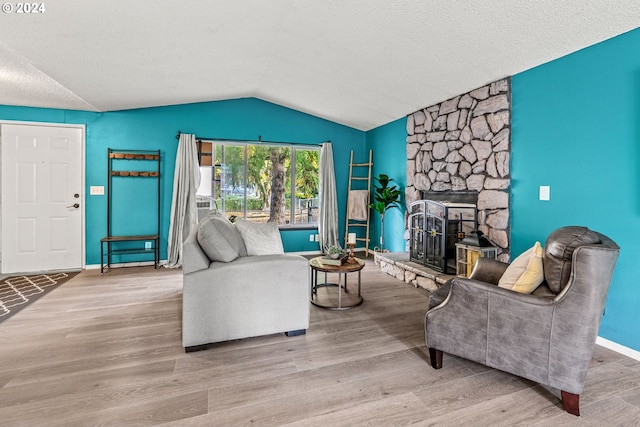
{"type": "Point", "coordinates": [219, 239]}
{"type": "Point", "coordinates": [260, 238]}
{"type": "Point", "coordinates": [236, 238]}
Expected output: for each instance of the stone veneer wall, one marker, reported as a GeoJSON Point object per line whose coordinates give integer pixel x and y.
{"type": "Point", "coordinates": [464, 144]}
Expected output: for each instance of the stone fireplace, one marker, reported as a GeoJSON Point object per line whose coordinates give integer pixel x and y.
{"type": "Point", "coordinates": [463, 145]}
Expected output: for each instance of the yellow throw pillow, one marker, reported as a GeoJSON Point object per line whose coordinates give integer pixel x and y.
{"type": "Point", "coordinates": [526, 272]}
{"type": "Point", "coordinates": [515, 270]}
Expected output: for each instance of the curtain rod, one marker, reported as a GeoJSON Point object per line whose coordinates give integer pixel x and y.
{"type": "Point", "coordinates": [259, 140]}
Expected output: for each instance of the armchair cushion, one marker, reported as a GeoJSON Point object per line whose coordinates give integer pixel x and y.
{"type": "Point", "coordinates": [559, 253]}
{"type": "Point", "coordinates": [525, 273]}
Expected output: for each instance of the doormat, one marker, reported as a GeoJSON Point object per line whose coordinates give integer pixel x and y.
{"type": "Point", "coordinates": [19, 291]}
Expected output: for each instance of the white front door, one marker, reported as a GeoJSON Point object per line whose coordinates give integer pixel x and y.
{"type": "Point", "coordinates": [42, 198]}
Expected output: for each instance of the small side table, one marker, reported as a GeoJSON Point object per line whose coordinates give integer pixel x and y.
{"type": "Point", "coordinates": [343, 270]}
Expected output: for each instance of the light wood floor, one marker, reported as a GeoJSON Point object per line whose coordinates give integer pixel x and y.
{"type": "Point", "coordinates": [106, 351]}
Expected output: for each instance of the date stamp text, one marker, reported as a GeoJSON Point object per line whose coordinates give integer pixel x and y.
{"type": "Point", "coordinates": [23, 8]}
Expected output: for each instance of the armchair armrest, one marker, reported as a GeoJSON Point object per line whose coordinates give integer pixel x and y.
{"type": "Point", "coordinates": [482, 322]}
{"type": "Point", "coordinates": [488, 270]}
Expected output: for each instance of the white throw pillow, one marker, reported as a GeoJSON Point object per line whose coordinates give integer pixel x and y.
{"type": "Point", "coordinates": [260, 238]}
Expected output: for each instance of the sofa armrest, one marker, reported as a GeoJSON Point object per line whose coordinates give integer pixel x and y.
{"type": "Point", "coordinates": [193, 258]}
{"type": "Point", "coordinates": [488, 270]}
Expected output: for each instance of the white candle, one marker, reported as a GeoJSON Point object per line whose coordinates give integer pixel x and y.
{"type": "Point", "coordinates": [352, 238]}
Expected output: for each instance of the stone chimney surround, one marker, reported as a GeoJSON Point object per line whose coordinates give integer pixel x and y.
{"type": "Point", "coordinates": [464, 144]}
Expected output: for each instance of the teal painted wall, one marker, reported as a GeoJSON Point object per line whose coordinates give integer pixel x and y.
{"type": "Point", "coordinates": [156, 128]}
{"type": "Point", "coordinates": [576, 128]}
{"type": "Point", "coordinates": [388, 143]}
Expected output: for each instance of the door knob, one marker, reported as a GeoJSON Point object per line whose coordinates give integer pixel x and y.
{"type": "Point", "coordinates": [75, 205]}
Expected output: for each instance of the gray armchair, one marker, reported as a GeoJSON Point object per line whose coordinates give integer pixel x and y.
{"type": "Point", "coordinates": [547, 336]}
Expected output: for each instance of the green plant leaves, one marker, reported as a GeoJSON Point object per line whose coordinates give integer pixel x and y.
{"type": "Point", "coordinates": [385, 196]}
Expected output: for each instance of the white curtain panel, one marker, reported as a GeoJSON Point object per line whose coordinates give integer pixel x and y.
{"type": "Point", "coordinates": [184, 209]}
{"type": "Point", "coordinates": [328, 212]}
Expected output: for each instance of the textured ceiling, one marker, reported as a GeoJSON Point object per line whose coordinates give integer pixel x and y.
{"type": "Point", "coordinates": [359, 63]}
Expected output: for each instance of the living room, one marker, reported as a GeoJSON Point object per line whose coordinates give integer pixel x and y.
{"type": "Point", "coordinates": [574, 128]}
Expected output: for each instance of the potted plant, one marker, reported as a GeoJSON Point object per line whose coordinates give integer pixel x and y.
{"type": "Point", "coordinates": [334, 252]}
{"type": "Point", "coordinates": [386, 196]}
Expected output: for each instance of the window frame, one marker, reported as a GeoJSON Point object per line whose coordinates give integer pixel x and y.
{"type": "Point", "coordinates": [246, 144]}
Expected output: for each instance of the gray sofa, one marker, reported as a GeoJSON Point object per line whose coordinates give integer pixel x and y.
{"type": "Point", "coordinates": [546, 336]}
{"type": "Point", "coordinates": [240, 293]}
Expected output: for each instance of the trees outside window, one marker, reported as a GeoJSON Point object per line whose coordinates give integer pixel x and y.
{"type": "Point", "coordinates": [259, 182]}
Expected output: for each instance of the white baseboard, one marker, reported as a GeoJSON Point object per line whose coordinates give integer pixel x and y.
{"type": "Point", "coordinates": [629, 352]}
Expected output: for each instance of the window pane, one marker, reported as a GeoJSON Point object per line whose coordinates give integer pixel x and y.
{"type": "Point", "coordinates": [306, 190]}
{"type": "Point", "coordinates": [267, 184]}
{"type": "Point", "coordinates": [230, 174]}
{"type": "Point", "coordinates": [258, 186]}
{"type": "Point", "coordinates": [280, 206]}
{"type": "Point", "coordinates": [263, 189]}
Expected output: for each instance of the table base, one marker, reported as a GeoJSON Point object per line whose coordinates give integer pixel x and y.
{"type": "Point", "coordinates": [342, 284]}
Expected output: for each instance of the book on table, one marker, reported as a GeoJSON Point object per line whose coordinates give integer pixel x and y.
{"type": "Point", "coordinates": [337, 262]}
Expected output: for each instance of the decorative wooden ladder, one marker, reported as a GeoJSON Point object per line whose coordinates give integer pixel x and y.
{"type": "Point", "coordinates": [353, 225]}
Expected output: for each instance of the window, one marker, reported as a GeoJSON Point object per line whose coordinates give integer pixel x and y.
{"type": "Point", "coordinates": [260, 182]}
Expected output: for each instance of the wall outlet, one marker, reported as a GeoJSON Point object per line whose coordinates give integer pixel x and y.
{"type": "Point", "coordinates": [96, 190]}
{"type": "Point", "coordinates": [316, 238]}
{"type": "Point", "coordinates": [545, 192]}
{"type": "Point", "coordinates": [311, 237]}
{"type": "Point", "coordinates": [147, 245]}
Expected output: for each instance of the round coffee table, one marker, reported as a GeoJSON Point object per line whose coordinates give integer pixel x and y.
{"type": "Point", "coordinates": [343, 270]}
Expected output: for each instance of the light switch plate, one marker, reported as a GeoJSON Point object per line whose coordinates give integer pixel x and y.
{"type": "Point", "coordinates": [96, 190]}
{"type": "Point", "coordinates": [545, 192]}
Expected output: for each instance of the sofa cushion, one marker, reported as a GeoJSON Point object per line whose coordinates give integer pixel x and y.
{"type": "Point", "coordinates": [237, 241]}
{"type": "Point", "coordinates": [260, 238]}
{"type": "Point", "coordinates": [525, 273]}
{"type": "Point", "coordinates": [559, 253]}
{"type": "Point", "coordinates": [220, 239]}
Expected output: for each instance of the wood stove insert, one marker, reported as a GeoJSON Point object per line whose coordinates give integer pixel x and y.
{"type": "Point", "coordinates": [437, 223]}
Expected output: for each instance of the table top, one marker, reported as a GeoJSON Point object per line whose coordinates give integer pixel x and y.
{"type": "Point", "coordinates": [316, 264]}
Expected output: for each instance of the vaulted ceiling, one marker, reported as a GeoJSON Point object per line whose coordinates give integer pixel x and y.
{"type": "Point", "coordinates": [362, 63]}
